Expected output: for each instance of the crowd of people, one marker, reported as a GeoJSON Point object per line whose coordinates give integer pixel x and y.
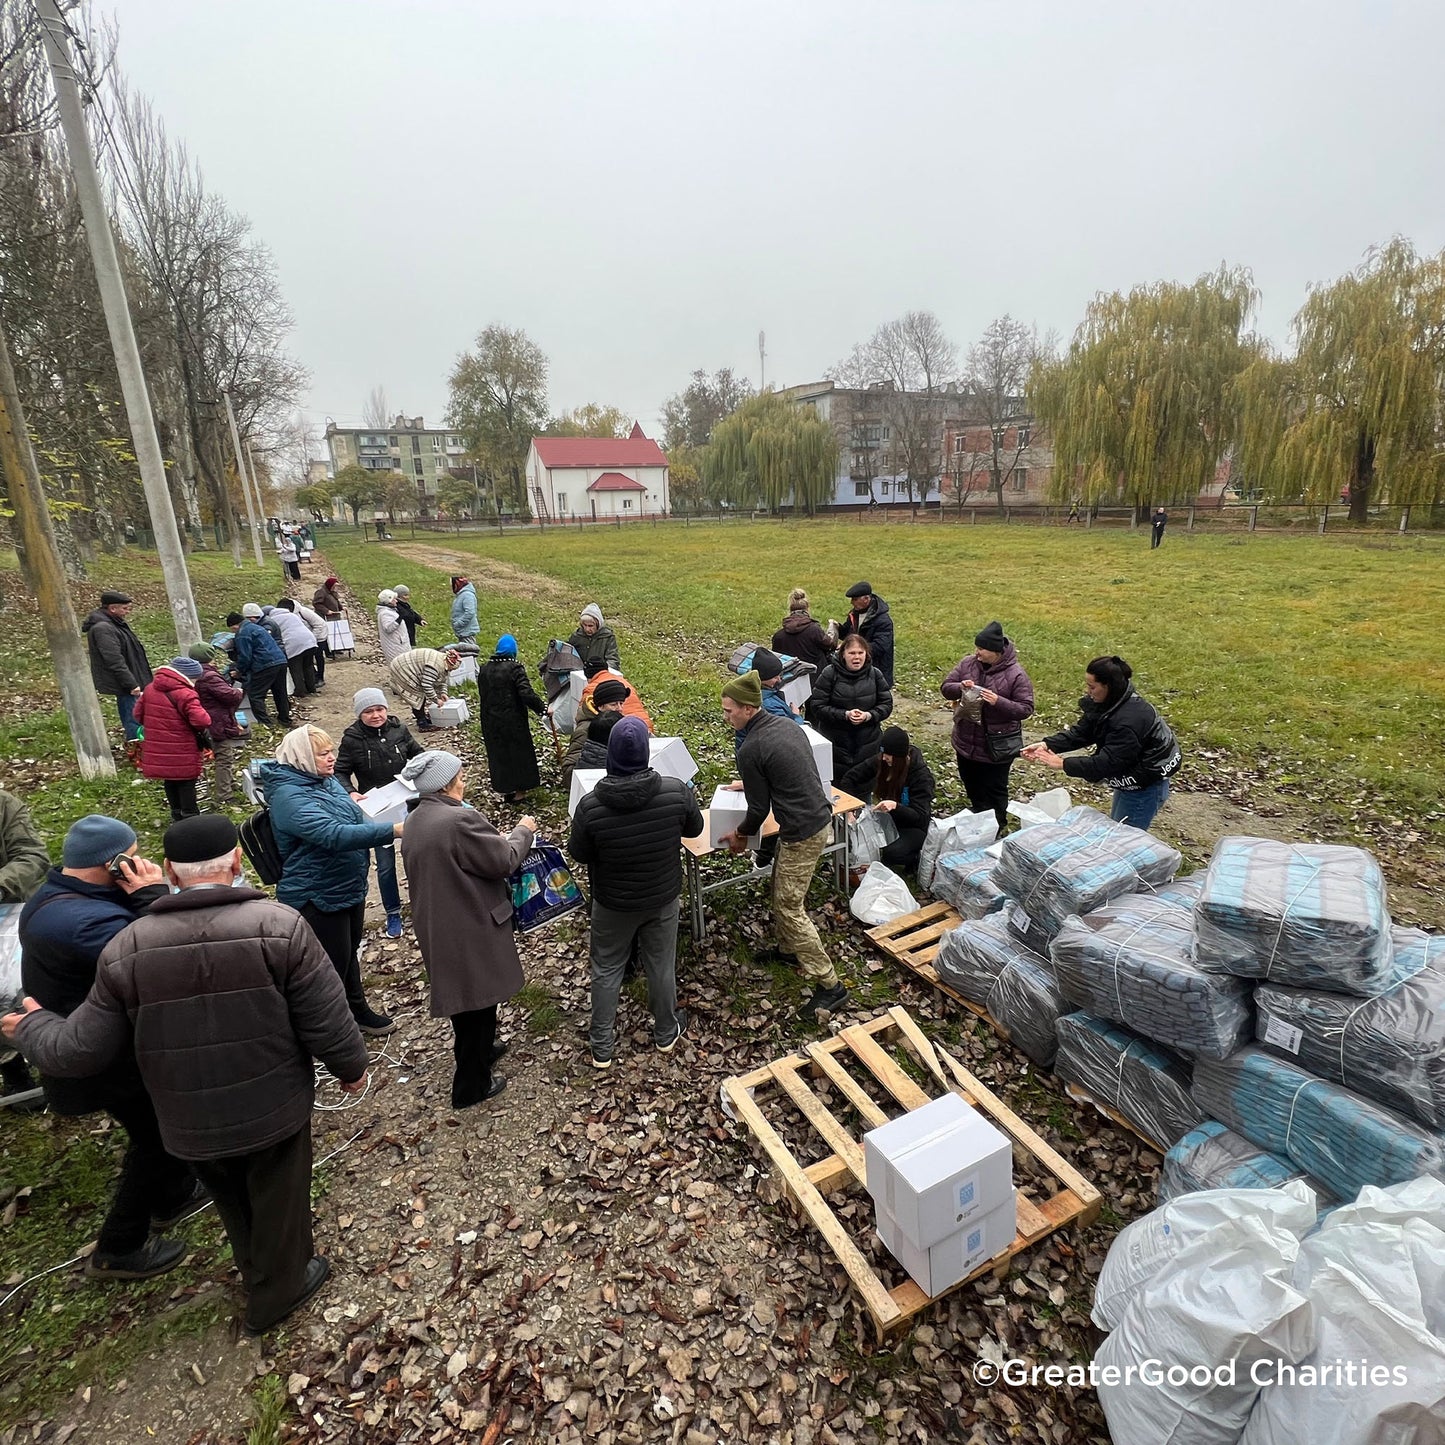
{"type": "Point", "coordinates": [190, 1006]}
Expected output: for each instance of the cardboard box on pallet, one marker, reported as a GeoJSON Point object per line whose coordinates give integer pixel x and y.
{"type": "Point", "coordinates": [937, 1267]}
{"type": "Point", "coordinates": [937, 1169]}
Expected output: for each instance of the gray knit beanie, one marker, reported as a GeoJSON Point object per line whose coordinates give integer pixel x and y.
{"type": "Point", "coordinates": [430, 772]}
{"type": "Point", "coordinates": [367, 697]}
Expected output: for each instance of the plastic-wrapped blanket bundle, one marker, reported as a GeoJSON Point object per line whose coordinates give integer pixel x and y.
{"type": "Point", "coordinates": [990, 968]}
{"type": "Point", "coordinates": [1144, 1083]}
{"type": "Point", "coordinates": [1334, 1135]}
{"type": "Point", "coordinates": [1301, 915]}
{"type": "Point", "coordinates": [960, 833]}
{"type": "Point", "coordinates": [966, 881]}
{"type": "Point", "coordinates": [1130, 961]}
{"type": "Point", "coordinates": [1213, 1157]}
{"type": "Point", "coordinates": [1078, 864]}
{"type": "Point", "coordinates": [1389, 1047]}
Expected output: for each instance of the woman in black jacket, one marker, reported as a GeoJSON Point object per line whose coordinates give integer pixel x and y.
{"type": "Point", "coordinates": [902, 784]}
{"type": "Point", "coordinates": [849, 701]}
{"type": "Point", "coordinates": [1135, 753]}
{"type": "Point", "coordinates": [504, 697]}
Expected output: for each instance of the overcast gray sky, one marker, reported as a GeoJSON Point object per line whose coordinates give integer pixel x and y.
{"type": "Point", "coordinates": [643, 187]}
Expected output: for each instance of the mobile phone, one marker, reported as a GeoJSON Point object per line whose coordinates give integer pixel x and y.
{"type": "Point", "coordinates": [117, 866]}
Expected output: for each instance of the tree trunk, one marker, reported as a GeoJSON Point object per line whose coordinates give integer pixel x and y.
{"type": "Point", "coordinates": [1363, 481]}
{"type": "Point", "coordinates": [44, 575]}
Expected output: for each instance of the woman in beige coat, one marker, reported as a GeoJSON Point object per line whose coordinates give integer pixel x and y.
{"type": "Point", "coordinates": [457, 867]}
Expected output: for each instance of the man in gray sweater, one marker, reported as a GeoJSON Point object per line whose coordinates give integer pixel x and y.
{"type": "Point", "coordinates": [779, 776]}
{"type": "Point", "coordinates": [226, 996]}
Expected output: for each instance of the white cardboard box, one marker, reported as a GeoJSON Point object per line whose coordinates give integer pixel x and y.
{"type": "Point", "coordinates": [670, 757]}
{"type": "Point", "coordinates": [937, 1267]}
{"type": "Point", "coordinates": [937, 1168]}
{"type": "Point", "coordinates": [464, 671]}
{"type": "Point", "coordinates": [583, 781]}
{"type": "Point", "coordinates": [822, 757]}
{"type": "Point", "coordinates": [388, 804]}
{"type": "Point", "coordinates": [799, 691]}
{"type": "Point", "coordinates": [727, 809]}
{"type": "Point", "coordinates": [452, 712]}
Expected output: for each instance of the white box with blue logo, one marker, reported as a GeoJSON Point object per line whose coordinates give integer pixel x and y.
{"type": "Point", "coordinates": [939, 1266]}
{"type": "Point", "coordinates": [936, 1169]}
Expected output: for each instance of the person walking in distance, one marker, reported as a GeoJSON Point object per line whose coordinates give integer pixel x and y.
{"type": "Point", "coordinates": [458, 865]}
{"type": "Point", "coordinates": [1157, 524]}
{"type": "Point", "coordinates": [225, 997]}
{"type": "Point", "coordinates": [778, 775]}
{"type": "Point", "coordinates": [628, 831]}
{"type": "Point", "coordinates": [118, 663]}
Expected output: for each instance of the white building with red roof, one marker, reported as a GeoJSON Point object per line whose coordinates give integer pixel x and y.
{"type": "Point", "coordinates": [597, 476]}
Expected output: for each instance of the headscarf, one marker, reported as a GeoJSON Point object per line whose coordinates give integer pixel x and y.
{"type": "Point", "coordinates": [296, 752]}
{"type": "Point", "coordinates": [506, 645]}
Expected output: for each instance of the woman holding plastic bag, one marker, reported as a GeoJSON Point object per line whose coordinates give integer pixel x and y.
{"type": "Point", "coordinates": [992, 696]}
{"type": "Point", "coordinates": [902, 783]}
{"type": "Point", "coordinates": [458, 866]}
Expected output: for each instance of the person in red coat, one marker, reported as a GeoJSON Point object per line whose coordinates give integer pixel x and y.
{"type": "Point", "coordinates": [176, 742]}
{"type": "Point", "coordinates": [220, 700]}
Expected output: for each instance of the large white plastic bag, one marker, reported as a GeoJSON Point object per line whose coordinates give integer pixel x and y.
{"type": "Point", "coordinates": [564, 709]}
{"type": "Point", "coordinates": [868, 835]}
{"type": "Point", "coordinates": [1045, 807]}
{"type": "Point", "coordinates": [1422, 1198]}
{"type": "Point", "coordinates": [1376, 1291]}
{"type": "Point", "coordinates": [1143, 1248]}
{"type": "Point", "coordinates": [1228, 1297]}
{"type": "Point", "coordinates": [881, 897]}
{"type": "Point", "coordinates": [959, 833]}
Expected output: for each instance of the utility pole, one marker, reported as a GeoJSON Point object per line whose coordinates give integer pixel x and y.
{"type": "Point", "coordinates": [241, 472]}
{"type": "Point", "coordinates": [44, 574]}
{"type": "Point", "coordinates": [117, 319]}
{"type": "Point", "coordinates": [256, 484]}
{"type": "Point", "coordinates": [762, 362]}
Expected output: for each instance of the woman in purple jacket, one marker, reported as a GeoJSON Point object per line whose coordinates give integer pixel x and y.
{"type": "Point", "coordinates": [994, 696]}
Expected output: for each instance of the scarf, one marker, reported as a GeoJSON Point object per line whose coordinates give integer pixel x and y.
{"type": "Point", "coordinates": [295, 751]}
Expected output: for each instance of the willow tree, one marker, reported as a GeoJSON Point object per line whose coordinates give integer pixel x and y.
{"type": "Point", "coordinates": [1357, 408]}
{"type": "Point", "coordinates": [1142, 404]}
{"type": "Point", "coordinates": [769, 453]}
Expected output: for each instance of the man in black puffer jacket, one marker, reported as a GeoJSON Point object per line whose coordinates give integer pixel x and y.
{"type": "Point", "coordinates": [628, 831]}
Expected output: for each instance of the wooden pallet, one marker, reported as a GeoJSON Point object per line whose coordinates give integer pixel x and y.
{"type": "Point", "coordinates": [785, 1083]}
{"type": "Point", "coordinates": [911, 941]}
{"type": "Point", "coordinates": [1082, 1096]}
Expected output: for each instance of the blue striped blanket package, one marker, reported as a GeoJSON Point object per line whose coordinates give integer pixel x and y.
{"type": "Point", "coordinates": [1213, 1157]}
{"type": "Point", "coordinates": [1341, 1139]}
{"type": "Point", "coordinates": [1130, 962]}
{"type": "Point", "coordinates": [1144, 1083]}
{"type": "Point", "coordinates": [1389, 1046]}
{"type": "Point", "coordinates": [966, 881]}
{"type": "Point", "coordinates": [1301, 915]}
{"type": "Point", "coordinates": [1078, 864]}
{"type": "Point", "coordinates": [995, 971]}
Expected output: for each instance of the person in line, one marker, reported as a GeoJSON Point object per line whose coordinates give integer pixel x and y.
{"type": "Point", "coordinates": [505, 696]}
{"type": "Point", "coordinates": [900, 782]}
{"type": "Point", "coordinates": [594, 640]}
{"type": "Point", "coordinates": [411, 618]}
{"type": "Point", "coordinates": [769, 668]}
{"type": "Point", "coordinates": [261, 668]}
{"type": "Point", "coordinates": [599, 730]}
{"type": "Point", "coordinates": [225, 997]}
{"type": "Point", "coordinates": [290, 554]}
{"type": "Point", "coordinates": [464, 611]}
{"type": "Point", "coordinates": [628, 831]}
{"type": "Point", "coordinates": [24, 862]}
{"type": "Point", "coordinates": [1135, 753]}
{"type": "Point", "coordinates": [220, 701]}
{"type": "Point", "coordinates": [325, 840]}
{"type": "Point", "coordinates": [373, 751]}
{"type": "Point", "coordinates": [327, 600]}
{"type": "Point", "coordinates": [870, 619]}
{"type": "Point", "coordinates": [850, 700]}
{"type": "Point", "coordinates": [299, 646]}
{"type": "Point", "coordinates": [800, 635]}
{"type": "Point", "coordinates": [419, 677]}
{"type": "Point", "coordinates": [390, 629]}
{"type": "Point", "coordinates": [778, 775]}
{"type": "Point", "coordinates": [100, 888]}
{"type": "Point", "coordinates": [458, 866]}
{"type": "Point", "coordinates": [993, 697]}
{"type": "Point", "coordinates": [608, 695]}
{"type": "Point", "coordinates": [176, 741]}
{"type": "Point", "coordinates": [1157, 524]}
{"type": "Point", "coordinates": [119, 666]}
{"type": "Point", "coordinates": [316, 625]}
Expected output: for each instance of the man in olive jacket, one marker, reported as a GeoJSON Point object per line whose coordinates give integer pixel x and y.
{"type": "Point", "coordinates": [225, 996]}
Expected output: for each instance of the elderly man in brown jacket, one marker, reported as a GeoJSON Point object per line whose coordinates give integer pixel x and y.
{"type": "Point", "coordinates": [457, 866]}
{"type": "Point", "coordinates": [226, 996]}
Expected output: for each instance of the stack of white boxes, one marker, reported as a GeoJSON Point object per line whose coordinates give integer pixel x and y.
{"type": "Point", "coordinates": [822, 757]}
{"type": "Point", "coordinates": [941, 1178]}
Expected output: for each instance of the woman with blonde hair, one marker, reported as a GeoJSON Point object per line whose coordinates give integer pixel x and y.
{"type": "Point", "coordinates": [325, 842]}
{"type": "Point", "coordinates": [800, 636]}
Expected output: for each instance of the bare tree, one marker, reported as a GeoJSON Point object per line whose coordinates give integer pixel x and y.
{"type": "Point", "coordinates": [995, 380]}
{"type": "Point", "coordinates": [375, 412]}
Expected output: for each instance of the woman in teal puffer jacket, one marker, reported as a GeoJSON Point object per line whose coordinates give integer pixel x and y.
{"type": "Point", "coordinates": [325, 843]}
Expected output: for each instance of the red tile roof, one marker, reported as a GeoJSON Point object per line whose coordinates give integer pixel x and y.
{"type": "Point", "coordinates": [615, 482]}
{"type": "Point", "coordinates": [599, 452]}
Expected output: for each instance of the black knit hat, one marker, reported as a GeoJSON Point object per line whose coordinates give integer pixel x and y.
{"type": "Point", "coordinates": [895, 743]}
{"type": "Point", "coordinates": [766, 665]}
{"type": "Point", "coordinates": [611, 691]}
{"type": "Point", "coordinates": [200, 838]}
{"type": "Point", "coordinates": [992, 638]}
